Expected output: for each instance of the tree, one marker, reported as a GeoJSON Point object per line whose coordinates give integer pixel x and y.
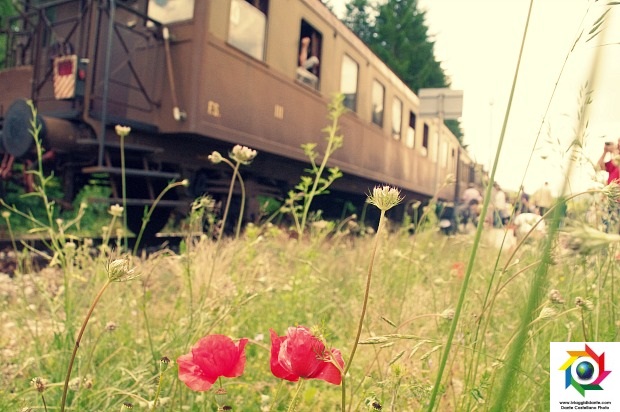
{"type": "Point", "coordinates": [397, 33]}
{"type": "Point", "coordinates": [6, 9]}
{"type": "Point", "coordinates": [358, 17]}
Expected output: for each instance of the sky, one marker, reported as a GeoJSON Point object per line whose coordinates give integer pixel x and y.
{"type": "Point", "coordinates": [478, 44]}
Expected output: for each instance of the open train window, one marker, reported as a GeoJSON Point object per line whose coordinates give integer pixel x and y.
{"type": "Point", "coordinates": [397, 117]}
{"type": "Point", "coordinates": [378, 94]}
{"type": "Point", "coordinates": [348, 82]}
{"type": "Point", "coordinates": [171, 11]}
{"type": "Point", "coordinates": [410, 139]}
{"type": "Point", "coordinates": [248, 23]}
{"type": "Point", "coordinates": [424, 148]}
{"type": "Point", "coordinates": [309, 55]}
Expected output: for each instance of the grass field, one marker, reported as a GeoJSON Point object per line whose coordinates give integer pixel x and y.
{"type": "Point", "coordinates": [266, 280]}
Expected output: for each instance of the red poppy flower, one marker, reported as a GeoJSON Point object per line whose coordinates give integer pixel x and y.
{"type": "Point", "coordinates": [299, 354]}
{"type": "Point", "coordinates": [458, 268]}
{"type": "Point", "coordinates": [211, 357]}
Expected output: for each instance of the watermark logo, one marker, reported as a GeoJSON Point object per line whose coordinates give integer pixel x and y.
{"type": "Point", "coordinates": [585, 370]}
{"type": "Point", "coordinates": [584, 376]}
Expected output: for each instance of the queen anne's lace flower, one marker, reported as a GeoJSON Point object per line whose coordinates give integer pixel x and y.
{"type": "Point", "coordinates": [243, 154]}
{"type": "Point", "coordinates": [384, 197]}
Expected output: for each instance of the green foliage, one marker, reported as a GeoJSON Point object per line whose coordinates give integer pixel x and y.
{"type": "Point", "coordinates": [6, 9]}
{"type": "Point", "coordinates": [299, 201]}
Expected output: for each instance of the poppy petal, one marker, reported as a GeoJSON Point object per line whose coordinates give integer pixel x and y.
{"type": "Point", "coordinates": [276, 367]}
{"type": "Point", "coordinates": [191, 375]}
{"type": "Point", "coordinates": [301, 352]}
{"type": "Point", "coordinates": [328, 371]}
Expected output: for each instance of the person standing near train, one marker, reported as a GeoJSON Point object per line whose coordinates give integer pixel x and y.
{"type": "Point", "coordinates": [542, 198]}
{"type": "Point", "coordinates": [611, 166]}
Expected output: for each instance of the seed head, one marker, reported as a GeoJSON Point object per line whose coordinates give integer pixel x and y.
{"type": "Point", "coordinates": [584, 239]}
{"type": "Point", "coordinates": [584, 303]}
{"type": "Point", "coordinates": [119, 270]}
{"type": "Point", "coordinates": [111, 326]}
{"type": "Point", "coordinates": [164, 362]}
{"type": "Point", "coordinates": [243, 154]}
{"type": "Point", "coordinates": [556, 297]}
{"type": "Point", "coordinates": [384, 197]}
{"type": "Point", "coordinates": [221, 396]}
{"type": "Point", "coordinates": [448, 314]}
{"type": "Point", "coordinates": [39, 384]}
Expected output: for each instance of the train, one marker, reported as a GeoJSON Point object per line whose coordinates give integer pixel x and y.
{"type": "Point", "coordinates": [191, 77]}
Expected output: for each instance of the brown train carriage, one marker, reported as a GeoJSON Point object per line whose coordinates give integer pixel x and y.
{"type": "Point", "coordinates": [193, 76]}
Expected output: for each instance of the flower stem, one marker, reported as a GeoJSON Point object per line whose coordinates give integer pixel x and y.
{"type": "Point", "coordinates": [293, 405]}
{"type": "Point", "coordinates": [161, 378]}
{"type": "Point", "coordinates": [229, 198]}
{"type": "Point", "coordinates": [77, 344]}
{"type": "Point", "coordinates": [364, 306]}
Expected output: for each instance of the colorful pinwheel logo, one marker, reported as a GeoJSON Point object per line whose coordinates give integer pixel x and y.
{"type": "Point", "coordinates": [585, 370]}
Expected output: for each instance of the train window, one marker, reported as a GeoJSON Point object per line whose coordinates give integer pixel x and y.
{"type": "Point", "coordinates": [378, 93]}
{"type": "Point", "coordinates": [424, 148]}
{"type": "Point", "coordinates": [348, 82]}
{"type": "Point", "coordinates": [309, 55]}
{"type": "Point", "coordinates": [410, 138]}
{"type": "Point", "coordinates": [248, 22]}
{"type": "Point", "coordinates": [397, 118]}
{"type": "Point", "coordinates": [170, 11]}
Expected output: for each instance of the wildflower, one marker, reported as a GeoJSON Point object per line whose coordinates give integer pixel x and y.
{"type": "Point", "coordinates": [74, 384]}
{"type": "Point", "coordinates": [6, 214]}
{"type": "Point", "coordinates": [215, 157]}
{"type": "Point", "coordinates": [210, 358]}
{"type": "Point", "coordinates": [185, 182]}
{"type": "Point", "coordinates": [458, 269]}
{"type": "Point", "coordinates": [584, 303]}
{"type": "Point", "coordinates": [556, 297]}
{"type": "Point", "coordinates": [116, 210]}
{"type": "Point", "coordinates": [299, 354]}
{"type": "Point", "coordinates": [119, 271]}
{"type": "Point", "coordinates": [88, 382]}
{"type": "Point", "coordinates": [384, 197]}
{"type": "Point", "coordinates": [122, 131]}
{"type": "Point", "coordinates": [243, 154]}
{"type": "Point", "coordinates": [39, 384]}
{"type": "Point", "coordinates": [448, 314]}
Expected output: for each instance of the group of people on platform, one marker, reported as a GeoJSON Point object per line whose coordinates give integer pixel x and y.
{"type": "Point", "coordinates": [501, 207]}
{"type": "Point", "coordinates": [524, 210]}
